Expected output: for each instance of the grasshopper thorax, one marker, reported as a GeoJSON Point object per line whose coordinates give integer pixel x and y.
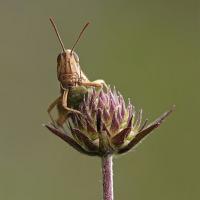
{"type": "Point", "coordinates": [68, 69]}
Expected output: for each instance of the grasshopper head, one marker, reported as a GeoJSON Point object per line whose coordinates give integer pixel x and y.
{"type": "Point", "coordinates": [68, 68]}
{"type": "Point", "coordinates": [67, 56]}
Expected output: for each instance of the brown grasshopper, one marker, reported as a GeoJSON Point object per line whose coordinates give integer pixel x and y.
{"type": "Point", "coordinates": [73, 82]}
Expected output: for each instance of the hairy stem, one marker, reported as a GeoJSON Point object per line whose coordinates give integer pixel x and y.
{"type": "Point", "coordinates": [107, 171]}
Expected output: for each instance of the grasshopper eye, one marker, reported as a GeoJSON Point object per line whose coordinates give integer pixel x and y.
{"type": "Point", "coordinates": [76, 57]}
{"type": "Point", "coordinates": [59, 58]}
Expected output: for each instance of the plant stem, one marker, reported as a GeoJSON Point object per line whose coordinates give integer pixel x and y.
{"type": "Point", "coordinates": [107, 171]}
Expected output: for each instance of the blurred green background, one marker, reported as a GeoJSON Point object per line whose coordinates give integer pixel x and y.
{"type": "Point", "coordinates": [148, 49]}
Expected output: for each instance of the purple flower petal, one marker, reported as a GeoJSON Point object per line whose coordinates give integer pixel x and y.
{"type": "Point", "coordinates": [93, 110]}
{"type": "Point", "coordinates": [115, 123]}
{"type": "Point", "coordinates": [115, 96]}
{"type": "Point", "coordinates": [69, 140]}
{"type": "Point", "coordinates": [112, 107]}
{"type": "Point", "coordinates": [106, 115]}
{"type": "Point", "coordinates": [101, 104]}
{"type": "Point", "coordinates": [123, 107]}
{"type": "Point", "coordinates": [103, 97]}
{"type": "Point", "coordinates": [119, 116]}
{"type": "Point", "coordinates": [112, 98]}
{"type": "Point", "coordinates": [141, 135]}
{"type": "Point", "coordinates": [92, 99]}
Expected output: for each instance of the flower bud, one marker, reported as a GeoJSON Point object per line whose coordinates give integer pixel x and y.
{"type": "Point", "coordinates": [106, 126]}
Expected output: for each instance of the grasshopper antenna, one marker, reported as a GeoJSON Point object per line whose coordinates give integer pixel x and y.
{"type": "Point", "coordinates": [79, 36]}
{"type": "Point", "coordinates": [57, 33]}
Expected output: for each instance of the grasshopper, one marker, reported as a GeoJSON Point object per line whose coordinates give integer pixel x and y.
{"type": "Point", "coordinates": [74, 84]}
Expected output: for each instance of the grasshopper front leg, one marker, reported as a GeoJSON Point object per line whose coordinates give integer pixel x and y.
{"type": "Point", "coordinates": [64, 103]}
{"type": "Point", "coordinates": [102, 83]}
{"type": "Point", "coordinates": [97, 84]}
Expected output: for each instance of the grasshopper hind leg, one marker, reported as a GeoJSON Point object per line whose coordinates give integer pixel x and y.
{"type": "Point", "coordinates": [62, 115]}
{"type": "Point", "coordinates": [50, 108]}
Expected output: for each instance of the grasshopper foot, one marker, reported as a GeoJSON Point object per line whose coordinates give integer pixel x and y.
{"type": "Point", "coordinates": [72, 110]}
